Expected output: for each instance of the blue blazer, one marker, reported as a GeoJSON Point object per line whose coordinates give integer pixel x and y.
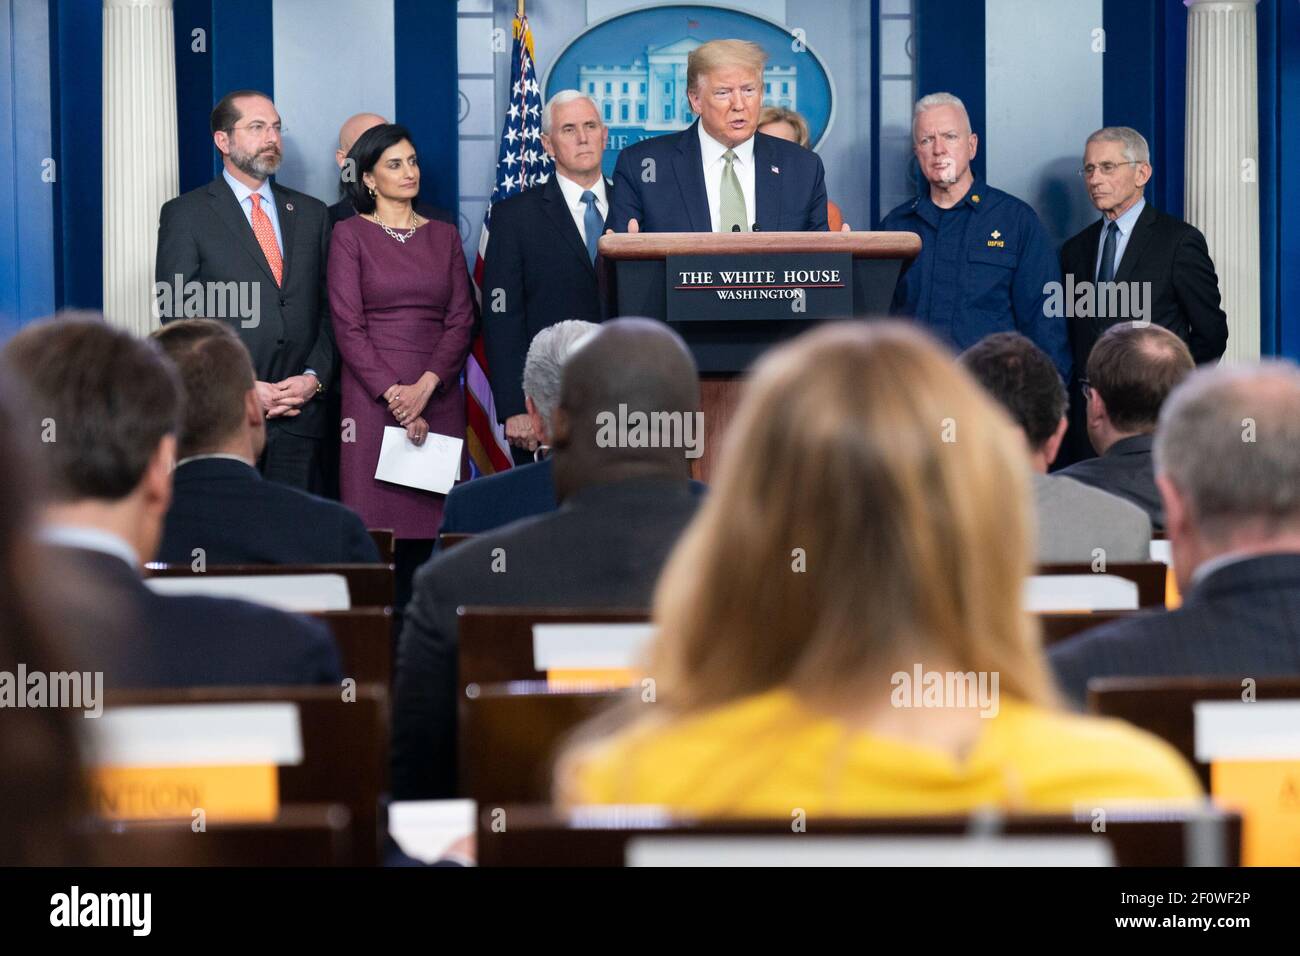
{"type": "Point", "coordinates": [236, 516]}
{"type": "Point", "coordinates": [486, 503]}
{"type": "Point", "coordinates": [789, 186]}
{"type": "Point", "coordinates": [1241, 620]}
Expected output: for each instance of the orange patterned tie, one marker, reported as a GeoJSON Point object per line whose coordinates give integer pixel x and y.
{"type": "Point", "coordinates": [265, 233]}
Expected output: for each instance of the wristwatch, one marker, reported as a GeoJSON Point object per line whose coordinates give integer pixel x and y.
{"type": "Point", "coordinates": [320, 386]}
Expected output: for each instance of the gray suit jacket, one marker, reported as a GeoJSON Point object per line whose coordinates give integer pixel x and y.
{"type": "Point", "coordinates": [1074, 519]}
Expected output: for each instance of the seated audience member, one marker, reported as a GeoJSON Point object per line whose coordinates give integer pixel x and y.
{"type": "Point", "coordinates": [221, 506]}
{"type": "Point", "coordinates": [41, 789]}
{"type": "Point", "coordinates": [1074, 521]}
{"type": "Point", "coordinates": [112, 406]}
{"type": "Point", "coordinates": [1131, 370]}
{"type": "Point", "coordinates": [622, 505]}
{"type": "Point", "coordinates": [799, 626]}
{"type": "Point", "coordinates": [486, 503]}
{"type": "Point", "coordinates": [790, 126]}
{"type": "Point", "coordinates": [1227, 459]}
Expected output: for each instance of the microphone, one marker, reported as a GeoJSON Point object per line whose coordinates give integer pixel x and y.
{"type": "Point", "coordinates": [736, 228]}
{"type": "Point", "coordinates": [756, 228]}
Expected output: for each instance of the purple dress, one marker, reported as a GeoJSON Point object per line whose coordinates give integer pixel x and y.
{"type": "Point", "coordinates": [399, 310]}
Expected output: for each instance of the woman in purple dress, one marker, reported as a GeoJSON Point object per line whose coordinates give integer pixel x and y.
{"type": "Point", "coordinates": [400, 299]}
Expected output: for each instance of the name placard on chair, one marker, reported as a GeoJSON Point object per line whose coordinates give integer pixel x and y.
{"type": "Point", "coordinates": [1079, 592]}
{"type": "Point", "coordinates": [574, 653]}
{"type": "Point", "coordinates": [168, 762]}
{"type": "Point", "coordinates": [286, 592]}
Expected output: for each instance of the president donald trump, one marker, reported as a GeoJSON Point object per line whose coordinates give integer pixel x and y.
{"type": "Point", "coordinates": [721, 174]}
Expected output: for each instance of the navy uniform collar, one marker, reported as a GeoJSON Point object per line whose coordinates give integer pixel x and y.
{"type": "Point", "coordinates": [975, 198]}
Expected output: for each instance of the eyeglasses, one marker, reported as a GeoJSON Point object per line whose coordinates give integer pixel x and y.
{"type": "Point", "coordinates": [1107, 169]}
{"type": "Point", "coordinates": [258, 128]}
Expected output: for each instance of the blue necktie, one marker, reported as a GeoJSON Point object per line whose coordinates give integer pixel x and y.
{"type": "Point", "coordinates": [1106, 271]}
{"type": "Point", "coordinates": [592, 224]}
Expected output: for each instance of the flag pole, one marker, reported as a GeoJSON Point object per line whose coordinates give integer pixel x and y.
{"type": "Point", "coordinates": [519, 9]}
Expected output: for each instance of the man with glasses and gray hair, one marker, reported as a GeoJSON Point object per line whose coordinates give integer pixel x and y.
{"type": "Point", "coordinates": [487, 503]}
{"type": "Point", "coordinates": [1227, 463]}
{"type": "Point", "coordinates": [1133, 242]}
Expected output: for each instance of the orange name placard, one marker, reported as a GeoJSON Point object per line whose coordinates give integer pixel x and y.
{"type": "Point", "coordinates": [609, 679]}
{"type": "Point", "coordinates": [234, 793]}
{"type": "Point", "coordinates": [1267, 792]}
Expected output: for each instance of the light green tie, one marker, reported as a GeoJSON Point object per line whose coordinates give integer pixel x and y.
{"type": "Point", "coordinates": [733, 198]}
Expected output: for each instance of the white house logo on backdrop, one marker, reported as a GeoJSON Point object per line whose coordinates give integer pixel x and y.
{"type": "Point", "coordinates": [633, 66]}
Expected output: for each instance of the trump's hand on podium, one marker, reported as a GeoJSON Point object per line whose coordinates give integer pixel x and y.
{"type": "Point", "coordinates": [632, 226]}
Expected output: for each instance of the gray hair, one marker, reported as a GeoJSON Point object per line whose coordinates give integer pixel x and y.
{"type": "Point", "coordinates": [559, 99]}
{"type": "Point", "coordinates": [547, 354]}
{"type": "Point", "coordinates": [934, 100]}
{"type": "Point", "coordinates": [1229, 440]}
{"type": "Point", "coordinates": [1134, 143]}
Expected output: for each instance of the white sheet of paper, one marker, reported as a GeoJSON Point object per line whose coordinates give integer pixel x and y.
{"type": "Point", "coordinates": [433, 466]}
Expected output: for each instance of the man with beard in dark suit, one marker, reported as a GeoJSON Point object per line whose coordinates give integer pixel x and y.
{"type": "Point", "coordinates": [257, 252]}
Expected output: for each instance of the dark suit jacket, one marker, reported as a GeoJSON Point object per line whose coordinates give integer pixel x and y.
{"type": "Point", "coordinates": [1173, 257]}
{"type": "Point", "coordinates": [1241, 620]}
{"type": "Point", "coordinates": [536, 270]}
{"type": "Point", "coordinates": [204, 236]}
{"type": "Point", "coordinates": [115, 624]}
{"type": "Point", "coordinates": [485, 503]}
{"type": "Point", "coordinates": [226, 508]}
{"type": "Point", "coordinates": [604, 547]}
{"type": "Point", "coordinates": [1125, 470]}
{"type": "Point", "coordinates": [789, 186]}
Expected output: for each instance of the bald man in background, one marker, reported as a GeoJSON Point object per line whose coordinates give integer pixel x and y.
{"type": "Point", "coordinates": [349, 132]}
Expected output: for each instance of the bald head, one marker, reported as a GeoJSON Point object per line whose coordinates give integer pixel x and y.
{"type": "Point", "coordinates": [352, 129]}
{"type": "Point", "coordinates": [630, 366]}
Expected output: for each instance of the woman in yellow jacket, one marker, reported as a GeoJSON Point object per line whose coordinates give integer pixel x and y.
{"type": "Point", "coordinates": [841, 628]}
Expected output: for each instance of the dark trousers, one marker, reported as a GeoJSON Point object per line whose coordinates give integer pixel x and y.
{"type": "Point", "coordinates": [291, 459]}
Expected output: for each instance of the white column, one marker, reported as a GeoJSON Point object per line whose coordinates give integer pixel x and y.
{"type": "Point", "coordinates": [1222, 157]}
{"type": "Point", "coordinates": [140, 156]}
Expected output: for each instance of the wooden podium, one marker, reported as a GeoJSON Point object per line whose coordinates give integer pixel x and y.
{"type": "Point", "coordinates": [635, 281]}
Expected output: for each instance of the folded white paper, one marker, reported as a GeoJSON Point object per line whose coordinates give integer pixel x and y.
{"type": "Point", "coordinates": [433, 466]}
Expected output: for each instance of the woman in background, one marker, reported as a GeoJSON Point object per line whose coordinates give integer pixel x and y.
{"type": "Point", "coordinates": [400, 301]}
{"type": "Point", "coordinates": [788, 125]}
{"type": "Point", "coordinates": [868, 527]}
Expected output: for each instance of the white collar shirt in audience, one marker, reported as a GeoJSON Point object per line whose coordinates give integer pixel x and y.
{"type": "Point", "coordinates": [577, 208]}
{"type": "Point", "coordinates": [711, 152]}
{"type": "Point", "coordinates": [90, 539]}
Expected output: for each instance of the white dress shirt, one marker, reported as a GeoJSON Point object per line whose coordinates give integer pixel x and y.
{"type": "Point", "coordinates": [711, 155]}
{"type": "Point", "coordinates": [89, 539]}
{"type": "Point", "coordinates": [577, 208]}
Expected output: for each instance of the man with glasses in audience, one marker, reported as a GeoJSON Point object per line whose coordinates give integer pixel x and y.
{"type": "Point", "coordinates": [256, 253]}
{"type": "Point", "coordinates": [1133, 242]}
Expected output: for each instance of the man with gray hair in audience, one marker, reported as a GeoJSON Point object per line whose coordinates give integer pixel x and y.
{"type": "Point", "coordinates": [486, 503]}
{"type": "Point", "coordinates": [1227, 460]}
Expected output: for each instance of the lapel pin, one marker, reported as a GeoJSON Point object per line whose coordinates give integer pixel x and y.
{"type": "Point", "coordinates": [777, 170]}
{"type": "Point", "coordinates": [288, 207]}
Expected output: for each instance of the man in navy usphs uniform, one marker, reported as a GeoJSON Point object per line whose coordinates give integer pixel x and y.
{"type": "Point", "coordinates": [985, 257]}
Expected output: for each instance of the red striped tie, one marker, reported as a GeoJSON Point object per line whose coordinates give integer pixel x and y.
{"type": "Point", "coordinates": [265, 233]}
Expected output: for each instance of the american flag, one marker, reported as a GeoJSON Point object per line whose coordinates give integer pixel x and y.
{"type": "Point", "coordinates": [521, 163]}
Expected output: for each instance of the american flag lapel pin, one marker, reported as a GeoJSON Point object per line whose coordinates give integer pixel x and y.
{"type": "Point", "coordinates": [288, 207]}
{"type": "Point", "coordinates": [777, 170]}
